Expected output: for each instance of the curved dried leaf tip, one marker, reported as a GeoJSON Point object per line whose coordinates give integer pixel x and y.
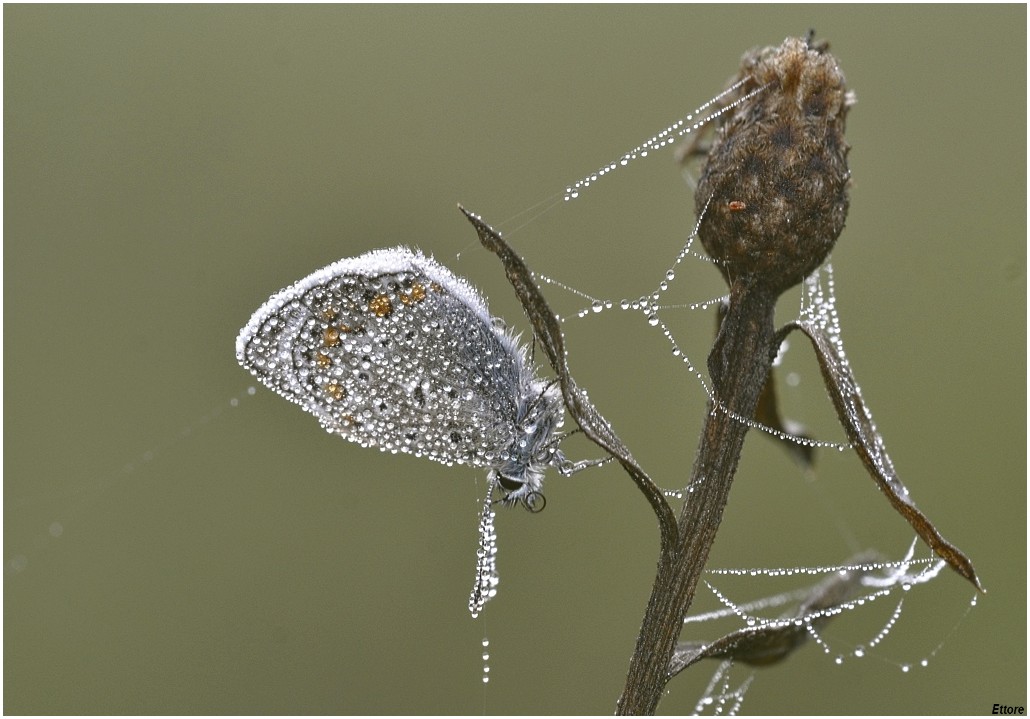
{"type": "Point", "coordinates": [857, 422]}
{"type": "Point", "coordinates": [776, 179]}
{"type": "Point", "coordinates": [820, 324]}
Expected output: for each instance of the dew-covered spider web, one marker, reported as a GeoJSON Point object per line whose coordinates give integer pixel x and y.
{"type": "Point", "coordinates": [863, 585]}
{"type": "Point", "coordinates": [866, 592]}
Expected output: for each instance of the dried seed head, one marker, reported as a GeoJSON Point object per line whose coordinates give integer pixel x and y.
{"type": "Point", "coordinates": [776, 178]}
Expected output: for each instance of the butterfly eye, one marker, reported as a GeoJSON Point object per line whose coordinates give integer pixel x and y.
{"type": "Point", "coordinates": [509, 484]}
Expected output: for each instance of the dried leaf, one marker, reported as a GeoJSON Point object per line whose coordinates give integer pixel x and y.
{"type": "Point", "coordinates": [548, 334]}
{"type": "Point", "coordinates": [867, 441]}
{"type": "Point", "coordinates": [767, 644]}
{"type": "Point", "coordinates": [768, 413]}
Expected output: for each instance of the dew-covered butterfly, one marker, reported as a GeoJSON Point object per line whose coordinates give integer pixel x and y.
{"type": "Point", "coordinates": [392, 350]}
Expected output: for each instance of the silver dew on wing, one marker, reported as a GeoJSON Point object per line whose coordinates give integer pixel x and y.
{"type": "Point", "coordinates": [391, 350]}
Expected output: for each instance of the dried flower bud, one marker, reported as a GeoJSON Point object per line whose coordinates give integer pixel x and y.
{"type": "Point", "coordinates": [776, 179]}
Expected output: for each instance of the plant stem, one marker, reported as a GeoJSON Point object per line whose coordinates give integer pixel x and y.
{"type": "Point", "coordinates": [738, 364]}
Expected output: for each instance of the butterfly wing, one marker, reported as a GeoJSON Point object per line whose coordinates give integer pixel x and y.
{"type": "Point", "coordinates": [392, 350]}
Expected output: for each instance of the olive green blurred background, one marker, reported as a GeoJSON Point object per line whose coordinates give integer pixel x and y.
{"type": "Point", "coordinates": [167, 168]}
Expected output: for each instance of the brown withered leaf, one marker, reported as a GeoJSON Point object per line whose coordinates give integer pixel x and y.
{"type": "Point", "coordinates": [548, 334]}
{"type": "Point", "coordinates": [858, 423]}
{"type": "Point", "coordinates": [768, 413]}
